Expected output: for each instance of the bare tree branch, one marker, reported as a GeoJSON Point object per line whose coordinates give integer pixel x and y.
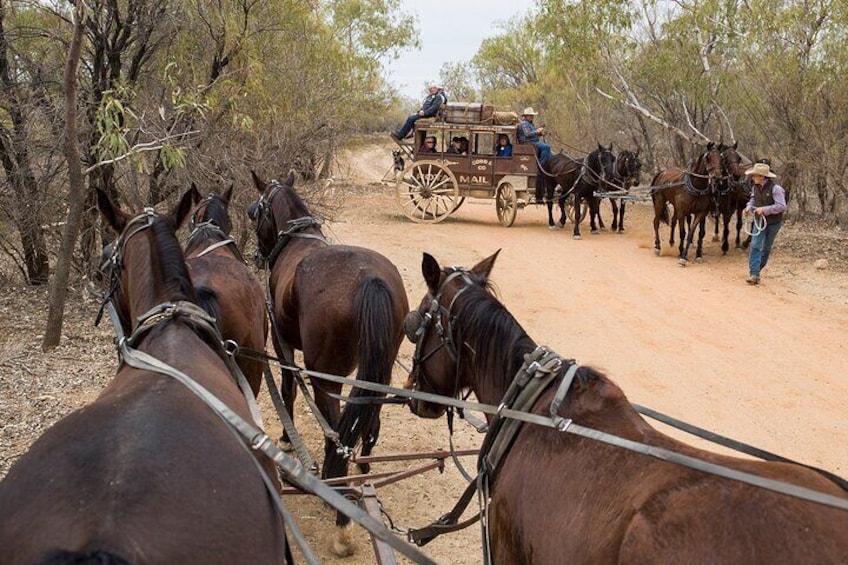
{"type": "Point", "coordinates": [633, 102]}
{"type": "Point", "coordinates": [726, 120]}
{"type": "Point", "coordinates": [689, 121]}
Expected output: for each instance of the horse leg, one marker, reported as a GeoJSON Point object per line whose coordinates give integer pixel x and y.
{"type": "Point", "coordinates": [288, 391]}
{"type": "Point", "coordinates": [597, 206]}
{"type": "Point", "coordinates": [550, 206]}
{"type": "Point", "coordinates": [684, 221]}
{"type": "Point", "coordinates": [725, 234]}
{"type": "Point", "coordinates": [738, 228]}
{"type": "Point", "coordinates": [594, 213]}
{"type": "Point", "coordinates": [702, 231]}
{"type": "Point", "coordinates": [577, 199]}
{"type": "Point", "coordinates": [562, 215]}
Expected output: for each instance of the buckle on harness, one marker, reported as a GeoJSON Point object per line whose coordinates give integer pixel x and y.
{"type": "Point", "coordinates": [259, 440]}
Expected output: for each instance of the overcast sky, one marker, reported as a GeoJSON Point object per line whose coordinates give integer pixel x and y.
{"type": "Point", "coordinates": [450, 31]}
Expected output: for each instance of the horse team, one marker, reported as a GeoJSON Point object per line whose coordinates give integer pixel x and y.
{"type": "Point", "coordinates": [148, 474]}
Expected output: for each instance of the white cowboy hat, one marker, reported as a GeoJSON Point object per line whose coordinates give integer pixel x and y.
{"type": "Point", "coordinates": [529, 111]}
{"type": "Point", "coordinates": [761, 169]}
{"type": "Point", "coordinates": [435, 85]}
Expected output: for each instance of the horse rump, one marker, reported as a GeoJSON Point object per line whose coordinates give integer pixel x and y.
{"type": "Point", "coordinates": [379, 341]}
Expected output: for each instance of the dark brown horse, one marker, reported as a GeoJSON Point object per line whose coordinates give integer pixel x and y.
{"type": "Point", "coordinates": [560, 498]}
{"type": "Point", "coordinates": [226, 287]}
{"type": "Point", "coordinates": [690, 193]}
{"type": "Point", "coordinates": [627, 174]}
{"type": "Point", "coordinates": [342, 306]}
{"type": "Point", "coordinates": [563, 171]}
{"type": "Point", "coordinates": [732, 196]}
{"type": "Point", "coordinates": [147, 473]}
{"type": "Point", "coordinates": [597, 171]}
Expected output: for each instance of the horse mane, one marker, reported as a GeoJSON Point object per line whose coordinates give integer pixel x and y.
{"type": "Point", "coordinates": [295, 203]}
{"type": "Point", "coordinates": [174, 272]}
{"type": "Point", "coordinates": [490, 329]}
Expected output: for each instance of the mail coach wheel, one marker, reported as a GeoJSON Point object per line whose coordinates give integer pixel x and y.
{"type": "Point", "coordinates": [506, 204]}
{"type": "Point", "coordinates": [427, 192]}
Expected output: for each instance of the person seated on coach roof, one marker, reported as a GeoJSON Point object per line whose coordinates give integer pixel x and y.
{"type": "Point", "coordinates": [429, 108]}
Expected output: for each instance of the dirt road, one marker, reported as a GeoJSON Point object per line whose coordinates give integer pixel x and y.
{"type": "Point", "coordinates": [766, 365]}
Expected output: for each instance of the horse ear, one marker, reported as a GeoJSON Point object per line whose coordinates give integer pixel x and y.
{"type": "Point", "coordinates": [735, 144]}
{"type": "Point", "coordinates": [484, 267]}
{"type": "Point", "coordinates": [113, 215]}
{"type": "Point", "coordinates": [710, 145]}
{"type": "Point", "coordinates": [182, 209]}
{"type": "Point", "coordinates": [258, 182]}
{"type": "Point", "coordinates": [228, 194]}
{"type": "Point", "coordinates": [290, 179]}
{"type": "Point", "coordinates": [432, 272]}
{"type": "Point", "coordinates": [195, 193]}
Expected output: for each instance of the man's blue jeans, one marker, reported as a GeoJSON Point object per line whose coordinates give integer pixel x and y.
{"type": "Point", "coordinates": [544, 152]}
{"type": "Point", "coordinates": [407, 125]}
{"type": "Point", "coordinates": [761, 248]}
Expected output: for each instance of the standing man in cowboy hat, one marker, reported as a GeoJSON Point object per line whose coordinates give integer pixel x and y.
{"type": "Point", "coordinates": [767, 203]}
{"type": "Point", "coordinates": [529, 133]}
{"type": "Point", "coordinates": [429, 108]}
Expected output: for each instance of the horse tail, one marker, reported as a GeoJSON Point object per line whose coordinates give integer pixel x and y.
{"type": "Point", "coordinates": [94, 557]}
{"type": "Point", "coordinates": [378, 345]}
{"type": "Point", "coordinates": [659, 199]}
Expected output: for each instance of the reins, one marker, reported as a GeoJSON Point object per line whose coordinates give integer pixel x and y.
{"type": "Point", "coordinates": [250, 437]}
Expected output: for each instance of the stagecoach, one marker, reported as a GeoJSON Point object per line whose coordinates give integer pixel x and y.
{"type": "Point", "coordinates": [431, 186]}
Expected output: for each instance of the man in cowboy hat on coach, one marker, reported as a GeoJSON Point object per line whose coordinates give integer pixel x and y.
{"type": "Point", "coordinates": [529, 133]}
{"type": "Point", "coordinates": [767, 203]}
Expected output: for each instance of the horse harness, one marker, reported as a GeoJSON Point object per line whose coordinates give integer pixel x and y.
{"type": "Point", "coordinates": [250, 437]}
{"type": "Point", "coordinates": [540, 369]}
{"type": "Point", "coordinates": [259, 212]}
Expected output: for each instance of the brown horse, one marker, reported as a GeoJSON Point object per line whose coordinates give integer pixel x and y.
{"type": "Point", "coordinates": [563, 171]}
{"type": "Point", "coordinates": [733, 195]}
{"type": "Point", "coordinates": [226, 287]}
{"type": "Point", "coordinates": [627, 173]}
{"type": "Point", "coordinates": [147, 473]}
{"type": "Point", "coordinates": [560, 498]}
{"type": "Point", "coordinates": [342, 306]}
{"type": "Point", "coordinates": [595, 174]}
{"type": "Point", "coordinates": [690, 192]}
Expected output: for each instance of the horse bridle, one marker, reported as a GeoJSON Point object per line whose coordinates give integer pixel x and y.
{"type": "Point", "coordinates": [262, 210]}
{"type": "Point", "coordinates": [417, 327]}
{"type": "Point", "coordinates": [711, 180]}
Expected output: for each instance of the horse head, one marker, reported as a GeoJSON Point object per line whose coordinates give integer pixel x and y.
{"type": "Point", "coordinates": [145, 240]}
{"type": "Point", "coordinates": [710, 163]}
{"type": "Point", "coordinates": [438, 365]}
{"type": "Point", "coordinates": [602, 162]}
{"type": "Point", "coordinates": [628, 168]}
{"type": "Point", "coordinates": [278, 210]}
{"type": "Point", "coordinates": [211, 210]}
{"type": "Point", "coordinates": [734, 168]}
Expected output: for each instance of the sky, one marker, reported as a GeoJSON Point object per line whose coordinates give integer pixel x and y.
{"type": "Point", "coordinates": [450, 31]}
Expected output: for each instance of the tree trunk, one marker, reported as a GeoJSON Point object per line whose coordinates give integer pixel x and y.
{"type": "Point", "coordinates": [76, 186]}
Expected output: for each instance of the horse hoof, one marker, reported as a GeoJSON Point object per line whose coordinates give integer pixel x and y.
{"type": "Point", "coordinates": [343, 541]}
{"type": "Point", "coordinates": [699, 259]}
{"type": "Point", "coordinates": [682, 262]}
{"type": "Point", "coordinates": [363, 468]}
{"type": "Point", "coordinates": [576, 236]}
{"type": "Point", "coordinates": [656, 252]}
{"type": "Point", "coordinates": [286, 445]}
{"type": "Point", "coordinates": [620, 230]}
{"type": "Point", "coordinates": [554, 227]}
{"type": "Point", "coordinates": [715, 238]}
{"type": "Point", "coordinates": [595, 231]}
